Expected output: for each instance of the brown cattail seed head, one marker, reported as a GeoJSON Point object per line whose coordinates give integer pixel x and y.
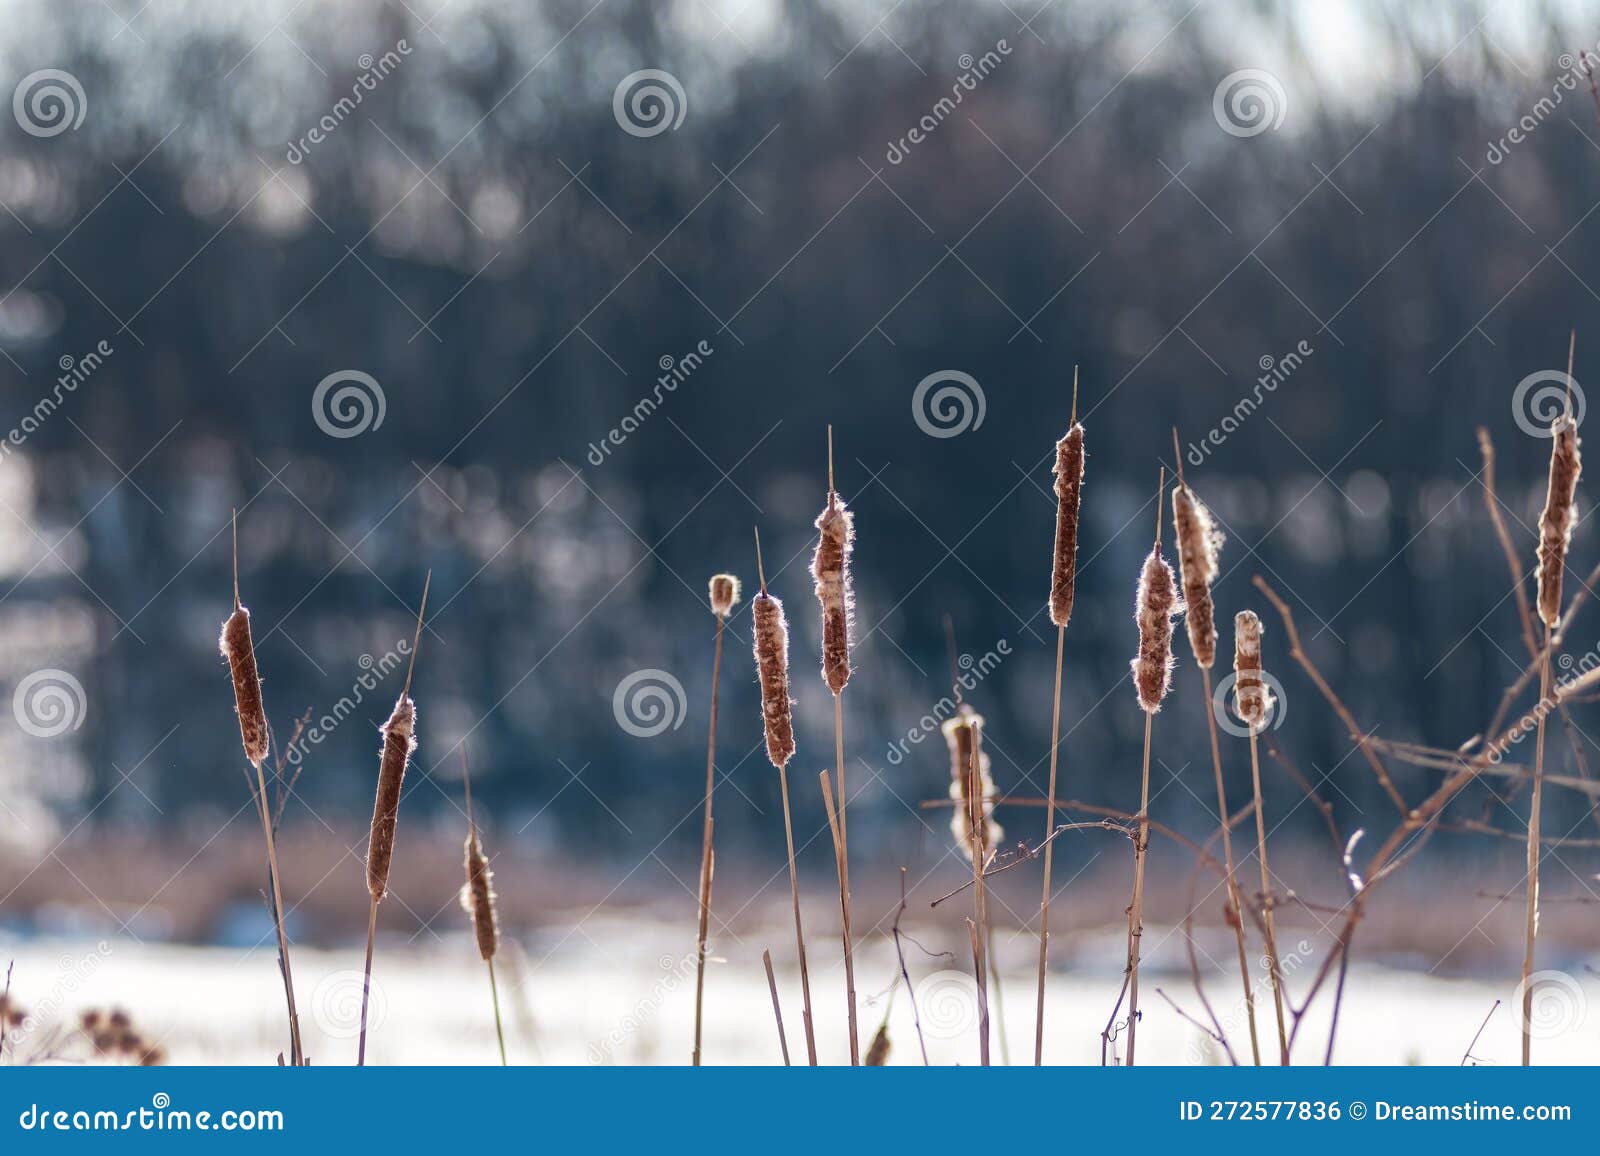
{"type": "Point", "coordinates": [724, 594]}
{"type": "Point", "coordinates": [399, 741]}
{"type": "Point", "coordinates": [1069, 493]}
{"type": "Point", "coordinates": [772, 665]}
{"type": "Point", "coordinates": [240, 652]}
{"type": "Point", "coordinates": [477, 897]}
{"type": "Point", "coordinates": [830, 566]}
{"type": "Point", "coordinates": [1156, 604]}
{"type": "Point", "coordinates": [963, 734]}
{"type": "Point", "coordinates": [1555, 527]}
{"type": "Point", "coordinates": [878, 1050]}
{"type": "Point", "coordinates": [1252, 701]}
{"type": "Point", "coordinates": [1198, 543]}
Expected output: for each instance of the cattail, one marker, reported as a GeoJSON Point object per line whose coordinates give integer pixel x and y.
{"type": "Point", "coordinates": [724, 594]}
{"type": "Point", "coordinates": [1251, 699]}
{"type": "Point", "coordinates": [831, 568]}
{"type": "Point", "coordinates": [1555, 527]}
{"type": "Point", "coordinates": [1069, 493]}
{"type": "Point", "coordinates": [399, 741]}
{"type": "Point", "coordinates": [772, 665]}
{"type": "Point", "coordinates": [1157, 602]}
{"type": "Point", "coordinates": [477, 896]}
{"type": "Point", "coordinates": [1198, 543]}
{"type": "Point", "coordinates": [963, 734]}
{"type": "Point", "coordinates": [240, 652]}
{"type": "Point", "coordinates": [878, 1050]}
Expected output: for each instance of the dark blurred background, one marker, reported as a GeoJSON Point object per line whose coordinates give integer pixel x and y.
{"type": "Point", "coordinates": [511, 255]}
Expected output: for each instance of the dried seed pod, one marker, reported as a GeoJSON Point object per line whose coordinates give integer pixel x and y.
{"type": "Point", "coordinates": [1069, 494]}
{"type": "Point", "coordinates": [772, 666]}
{"type": "Point", "coordinates": [724, 594]}
{"type": "Point", "coordinates": [399, 741]}
{"type": "Point", "coordinates": [477, 896]}
{"type": "Point", "coordinates": [830, 566]}
{"type": "Point", "coordinates": [963, 734]}
{"type": "Point", "coordinates": [240, 652]}
{"type": "Point", "coordinates": [1198, 543]}
{"type": "Point", "coordinates": [1154, 608]}
{"type": "Point", "coordinates": [1555, 527]}
{"type": "Point", "coordinates": [1252, 701]}
{"type": "Point", "coordinates": [878, 1050]}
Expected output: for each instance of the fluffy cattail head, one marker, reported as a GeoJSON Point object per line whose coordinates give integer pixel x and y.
{"type": "Point", "coordinates": [1198, 543]}
{"type": "Point", "coordinates": [399, 741]}
{"type": "Point", "coordinates": [971, 787]}
{"type": "Point", "coordinates": [477, 896]}
{"type": "Point", "coordinates": [1157, 603]}
{"type": "Point", "coordinates": [1252, 701]}
{"type": "Point", "coordinates": [724, 594]}
{"type": "Point", "coordinates": [772, 666]}
{"type": "Point", "coordinates": [830, 566]}
{"type": "Point", "coordinates": [240, 652]}
{"type": "Point", "coordinates": [878, 1050]}
{"type": "Point", "coordinates": [1069, 494]}
{"type": "Point", "coordinates": [1555, 527]}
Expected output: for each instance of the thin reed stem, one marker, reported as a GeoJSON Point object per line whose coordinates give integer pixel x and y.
{"type": "Point", "coordinates": [844, 879]}
{"type": "Point", "coordinates": [1268, 919]}
{"type": "Point", "coordinates": [366, 984]}
{"type": "Point", "coordinates": [1228, 867]}
{"type": "Point", "coordinates": [499, 1030]}
{"type": "Point", "coordinates": [1049, 852]}
{"type": "Point", "coordinates": [1136, 909]}
{"type": "Point", "coordinates": [705, 848]}
{"type": "Point", "coordinates": [777, 1008]}
{"type": "Point", "coordinates": [981, 970]}
{"type": "Point", "coordinates": [1534, 850]}
{"type": "Point", "coordinates": [978, 824]}
{"type": "Point", "coordinates": [799, 933]}
{"type": "Point", "coordinates": [296, 1051]}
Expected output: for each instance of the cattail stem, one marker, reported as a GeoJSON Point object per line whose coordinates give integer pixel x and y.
{"type": "Point", "coordinates": [777, 1007]}
{"type": "Point", "coordinates": [1267, 918]}
{"type": "Point", "coordinates": [1136, 908]}
{"type": "Point", "coordinates": [981, 971]}
{"type": "Point", "coordinates": [499, 1030]}
{"type": "Point", "coordinates": [844, 880]}
{"type": "Point", "coordinates": [366, 983]}
{"type": "Point", "coordinates": [978, 819]}
{"type": "Point", "coordinates": [1237, 916]}
{"type": "Point", "coordinates": [799, 933]}
{"type": "Point", "coordinates": [705, 848]}
{"type": "Point", "coordinates": [1049, 852]}
{"type": "Point", "coordinates": [1535, 803]}
{"type": "Point", "coordinates": [296, 1052]}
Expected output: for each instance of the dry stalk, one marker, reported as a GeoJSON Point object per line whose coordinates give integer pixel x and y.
{"type": "Point", "coordinates": [477, 900]}
{"type": "Point", "coordinates": [724, 592]}
{"type": "Point", "coordinates": [777, 1008]}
